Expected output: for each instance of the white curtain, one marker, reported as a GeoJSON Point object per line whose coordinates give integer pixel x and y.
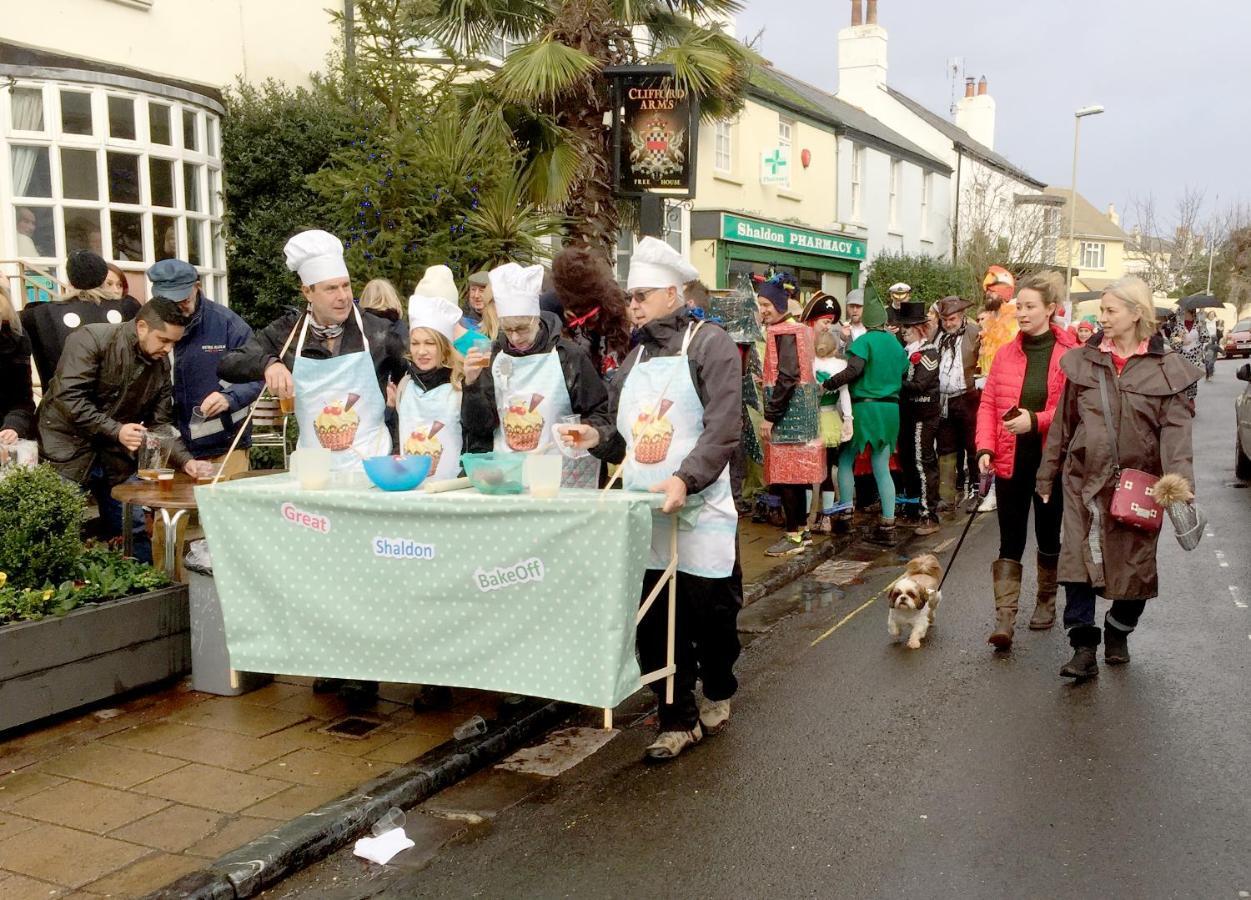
{"type": "Point", "coordinates": [27, 116]}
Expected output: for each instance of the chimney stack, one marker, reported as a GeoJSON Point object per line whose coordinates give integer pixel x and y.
{"type": "Point", "coordinates": [975, 113]}
{"type": "Point", "coordinates": [862, 57]}
{"type": "Point", "coordinates": [1113, 216]}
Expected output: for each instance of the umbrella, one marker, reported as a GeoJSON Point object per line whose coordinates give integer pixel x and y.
{"type": "Point", "coordinates": [1163, 312]}
{"type": "Point", "coordinates": [1200, 301]}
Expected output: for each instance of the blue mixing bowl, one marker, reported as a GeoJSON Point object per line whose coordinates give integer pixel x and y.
{"type": "Point", "coordinates": [397, 473]}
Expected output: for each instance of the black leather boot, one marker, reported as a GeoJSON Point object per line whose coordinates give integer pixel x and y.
{"type": "Point", "coordinates": [1115, 645]}
{"type": "Point", "coordinates": [1084, 664]}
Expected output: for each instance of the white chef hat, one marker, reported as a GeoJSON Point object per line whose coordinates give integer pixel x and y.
{"type": "Point", "coordinates": [438, 282]}
{"type": "Point", "coordinates": [656, 265]}
{"type": "Point", "coordinates": [434, 313]}
{"type": "Point", "coordinates": [516, 289]}
{"type": "Point", "coordinates": [317, 256]}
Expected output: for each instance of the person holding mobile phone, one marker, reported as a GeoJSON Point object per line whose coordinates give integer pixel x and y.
{"type": "Point", "coordinates": [1017, 406]}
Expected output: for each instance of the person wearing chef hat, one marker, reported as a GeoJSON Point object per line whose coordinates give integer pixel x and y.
{"type": "Point", "coordinates": [335, 363]}
{"type": "Point", "coordinates": [428, 397]}
{"type": "Point", "coordinates": [677, 406]}
{"type": "Point", "coordinates": [531, 379]}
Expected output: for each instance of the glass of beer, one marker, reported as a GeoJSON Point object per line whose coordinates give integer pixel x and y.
{"type": "Point", "coordinates": [165, 480]}
{"type": "Point", "coordinates": [287, 405]}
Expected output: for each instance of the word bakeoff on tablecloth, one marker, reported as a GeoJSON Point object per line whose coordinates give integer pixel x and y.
{"type": "Point", "coordinates": [516, 594]}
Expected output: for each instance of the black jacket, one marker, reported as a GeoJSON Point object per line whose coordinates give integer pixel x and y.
{"type": "Point", "coordinates": [17, 398]}
{"type": "Point", "coordinates": [717, 371]}
{"type": "Point", "coordinates": [386, 346]}
{"type": "Point", "coordinates": [918, 394]}
{"type": "Point", "coordinates": [103, 382]}
{"type": "Point", "coordinates": [49, 325]}
{"type": "Point", "coordinates": [479, 416]}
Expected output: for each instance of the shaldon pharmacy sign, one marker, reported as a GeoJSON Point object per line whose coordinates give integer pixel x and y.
{"type": "Point", "coordinates": [757, 233]}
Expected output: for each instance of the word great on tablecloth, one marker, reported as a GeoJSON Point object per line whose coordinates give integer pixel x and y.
{"type": "Point", "coordinates": [401, 548]}
{"type": "Point", "coordinates": [501, 577]}
{"type": "Point", "coordinates": [311, 521]}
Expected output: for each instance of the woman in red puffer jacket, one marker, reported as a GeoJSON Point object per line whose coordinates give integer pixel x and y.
{"type": "Point", "coordinates": [1017, 406]}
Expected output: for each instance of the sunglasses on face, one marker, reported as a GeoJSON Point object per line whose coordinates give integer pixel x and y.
{"type": "Point", "coordinates": [640, 297]}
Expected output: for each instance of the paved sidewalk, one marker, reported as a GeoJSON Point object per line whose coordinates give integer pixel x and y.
{"type": "Point", "coordinates": [124, 800]}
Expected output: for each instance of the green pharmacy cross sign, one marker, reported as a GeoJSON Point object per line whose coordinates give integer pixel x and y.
{"type": "Point", "coordinates": [774, 167]}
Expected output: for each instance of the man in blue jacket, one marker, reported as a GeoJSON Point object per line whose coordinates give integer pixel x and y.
{"type": "Point", "coordinates": [207, 411]}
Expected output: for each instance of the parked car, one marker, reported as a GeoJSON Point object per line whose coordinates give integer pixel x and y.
{"type": "Point", "coordinates": [1242, 427]}
{"type": "Point", "coordinates": [1238, 340]}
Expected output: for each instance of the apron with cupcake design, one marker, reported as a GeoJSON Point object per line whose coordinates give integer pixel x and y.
{"type": "Point", "coordinates": [661, 418]}
{"type": "Point", "coordinates": [530, 400]}
{"type": "Point", "coordinates": [430, 426]}
{"type": "Point", "coordinates": [338, 404]}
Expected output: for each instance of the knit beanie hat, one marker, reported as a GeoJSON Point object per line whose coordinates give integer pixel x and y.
{"type": "Point", "coordinates": [874, 315]}
{"type": "Point", "coordinates": [775, 293]}
{"type": "Point", "coordinates": [86, 270]}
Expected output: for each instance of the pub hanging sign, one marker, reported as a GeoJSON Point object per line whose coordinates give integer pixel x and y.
{"type": "Point", "coordinates": [655, 132]}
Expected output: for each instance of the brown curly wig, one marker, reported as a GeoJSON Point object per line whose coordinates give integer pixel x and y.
{"type": "Point", "coordinates": [583, 281]}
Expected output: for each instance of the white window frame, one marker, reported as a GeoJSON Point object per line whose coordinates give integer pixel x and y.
{"type": "Point", "coordinates": [786, 138]}
{"type": "Point", "coordinates": [208, 172]}
{"type": "Point", "coordinates": [927, 199]}
{"type": "Point", "coordinates": [723, 146]}
{"type": "Point", "coordinates": [896, 185]}
{"type": "Point", "coordinates": [857, 181]}
{"type": "Point", "coordinates": [1097, 252]}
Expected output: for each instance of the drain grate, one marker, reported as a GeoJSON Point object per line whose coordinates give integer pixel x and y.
{"type": "Point", "coordinates": [354, 727]}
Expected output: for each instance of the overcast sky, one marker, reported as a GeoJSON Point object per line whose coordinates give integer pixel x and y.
{"type": "Point", "coordinates": [1175, 78]}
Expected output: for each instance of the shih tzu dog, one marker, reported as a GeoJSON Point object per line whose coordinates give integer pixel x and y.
{"type": "Point", "coordinates": [914, 598]}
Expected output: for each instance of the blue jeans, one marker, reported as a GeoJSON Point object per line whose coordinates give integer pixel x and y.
{"type": "Point", "coordinates": [1079, 614]}
{"type": "Point", "coordinates": [111, 514]}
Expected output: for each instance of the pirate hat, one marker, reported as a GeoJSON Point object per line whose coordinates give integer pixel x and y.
{"type": "Point", "coordinates": [949, 306]}
{"type": "Point", "coordinates": [821, 306]}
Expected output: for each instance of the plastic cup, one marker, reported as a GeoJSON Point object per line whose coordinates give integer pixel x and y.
{"type": "Point", "coordinates": [311, 466]}
{"type": "Point", "coordinates": [392, 819]}
{"type": "Point", "coordinates": [286, 405]}
{"type": "Point", "coordinates": [165, 481]}
{"type": "Point", "coordinates": [543, 475]}
{"type": "Point", "coordinates": [560, 428]}
{"type": "Point", "coordinates": [471, 727]}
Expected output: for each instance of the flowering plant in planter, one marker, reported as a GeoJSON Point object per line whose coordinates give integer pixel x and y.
{"type": "Point", "coordinates": [101, 574]}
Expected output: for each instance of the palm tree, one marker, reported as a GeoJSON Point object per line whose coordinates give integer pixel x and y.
{"type": "Point", "coordinates": [552, 95]}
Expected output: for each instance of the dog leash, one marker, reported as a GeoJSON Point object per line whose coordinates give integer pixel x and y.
{"type": "Point", "coordinates": [983, 488]}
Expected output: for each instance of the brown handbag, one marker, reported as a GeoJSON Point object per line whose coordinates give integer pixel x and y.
{"type": "Point", "coordinates": [1132, 503]}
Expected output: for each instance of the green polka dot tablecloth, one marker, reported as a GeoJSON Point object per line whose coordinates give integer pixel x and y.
{"type": "Point", "coordinates": [512, 594]}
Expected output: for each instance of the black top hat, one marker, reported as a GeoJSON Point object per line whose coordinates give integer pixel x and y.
{"type": "Point", "coordinates": [821, 306]}
{"type": "Point", "coordinates": [911, 312]}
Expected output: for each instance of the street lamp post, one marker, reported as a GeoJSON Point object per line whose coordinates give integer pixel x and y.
{"type": "Point", "coordinates": [1068, 269]}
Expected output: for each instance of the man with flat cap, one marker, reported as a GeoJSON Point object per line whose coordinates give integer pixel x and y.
{"type": "Point", "coordinates": [959, 345]}
{"type": "Point", "coordinates": [207, 411]}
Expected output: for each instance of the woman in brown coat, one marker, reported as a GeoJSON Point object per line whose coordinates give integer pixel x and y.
{"type": "Point", "coordinates": [1146, 386]}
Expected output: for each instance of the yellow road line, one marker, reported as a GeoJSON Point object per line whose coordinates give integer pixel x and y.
{"type": "Point", "coordinates": [855, 612]}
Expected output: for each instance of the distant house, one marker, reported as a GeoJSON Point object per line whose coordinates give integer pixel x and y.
{"type": "Point", "coordinates": [992, 199]}
{"type": "Point", "coordinates": [1098, 253]}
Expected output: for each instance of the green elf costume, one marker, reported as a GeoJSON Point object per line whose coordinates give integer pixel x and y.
{"type": "Point", "coordinates": [876, 365]}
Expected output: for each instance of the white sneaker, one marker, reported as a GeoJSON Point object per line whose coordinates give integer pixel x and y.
{"type": "Point", "coordinates": [990, 504]}
{"type": "Point", "coordinates": [671, 743]}
{"type": "Point", "coordinates": [713, 715]}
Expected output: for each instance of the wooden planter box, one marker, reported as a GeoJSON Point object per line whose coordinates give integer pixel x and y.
{"type": "Point", "coordinates": [60, 663]}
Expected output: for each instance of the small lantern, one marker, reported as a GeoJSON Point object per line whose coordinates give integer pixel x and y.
{"type": "Point", "coordinates": [805, 157]}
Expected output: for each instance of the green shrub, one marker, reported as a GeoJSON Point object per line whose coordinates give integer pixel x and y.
{"type": "Point", "coordinates": [40, 519]}
{"type": "Point", "coordinates": [929, 277]}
